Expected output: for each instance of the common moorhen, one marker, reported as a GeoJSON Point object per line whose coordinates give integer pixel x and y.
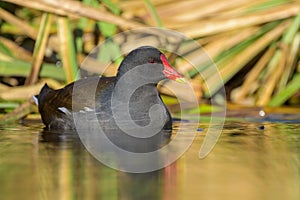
{"type": "Point", "coordinates": [131, 96]}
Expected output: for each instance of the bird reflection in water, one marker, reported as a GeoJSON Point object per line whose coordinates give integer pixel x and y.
{"type": "Point", "coordinates": [80, 175]}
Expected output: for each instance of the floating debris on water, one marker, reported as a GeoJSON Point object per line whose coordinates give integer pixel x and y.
{"type": "Point", "coordinates": [262, 113]}
{"type": "Point", "coordinates": [200, 129]}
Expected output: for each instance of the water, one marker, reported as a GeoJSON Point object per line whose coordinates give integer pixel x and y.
{"type": "Point", "coordinates": [252, 160]}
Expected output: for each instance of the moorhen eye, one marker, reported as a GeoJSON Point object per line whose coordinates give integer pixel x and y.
{"type": "Point", "coordinates": [151, 60]}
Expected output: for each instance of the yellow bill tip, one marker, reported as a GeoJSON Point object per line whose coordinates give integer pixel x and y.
{"type": "Point", "coordinates": [180, 80]}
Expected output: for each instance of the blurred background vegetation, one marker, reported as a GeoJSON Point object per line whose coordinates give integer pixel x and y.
{"type": "Point", "coordinates": [254, 43]}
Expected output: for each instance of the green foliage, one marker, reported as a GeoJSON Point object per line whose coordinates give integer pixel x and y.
{"type": "Point", "coordinates": [288, 92]}
{"type": "Point", "coordinates": [22, 69]}
{"type": "Point", "coordinates": [5, 50]}
{"type": "Point", "coordinates": [153, 12]}
{"type": "Point", "coordinates": [267, 5]}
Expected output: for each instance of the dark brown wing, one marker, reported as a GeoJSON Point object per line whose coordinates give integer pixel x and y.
{"type": "Point", "coordinates": [76, 96]}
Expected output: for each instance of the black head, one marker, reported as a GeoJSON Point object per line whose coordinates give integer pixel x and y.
{"type": "Point", "coordinates": [153, 61]}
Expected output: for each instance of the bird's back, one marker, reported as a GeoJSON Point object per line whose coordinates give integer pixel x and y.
{"type": "Point", "coordinates": [56, 106]}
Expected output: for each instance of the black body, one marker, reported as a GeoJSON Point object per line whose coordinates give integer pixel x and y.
{"type": "Point", "coordinates": [134, 88]}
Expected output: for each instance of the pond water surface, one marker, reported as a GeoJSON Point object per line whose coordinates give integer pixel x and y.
{"type": "Point", "coordinates": [252, 160]}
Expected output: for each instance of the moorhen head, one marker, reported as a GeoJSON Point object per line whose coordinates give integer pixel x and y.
{"type": "Point", "coordinates": [148, 62]}
{"type": "Point", "coordinates": [131, 96]}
